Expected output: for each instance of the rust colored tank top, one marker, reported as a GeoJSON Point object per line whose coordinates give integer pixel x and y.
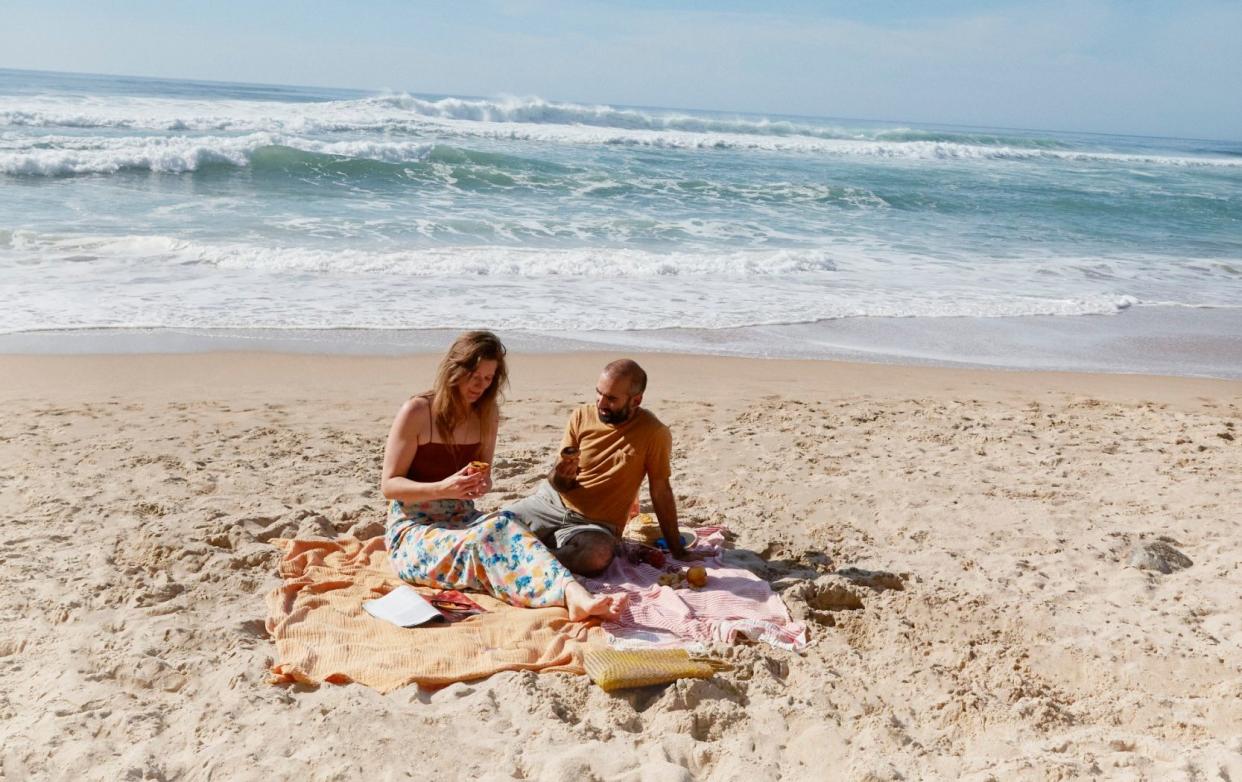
{"type": "Point", "coordinates": [437, 461]}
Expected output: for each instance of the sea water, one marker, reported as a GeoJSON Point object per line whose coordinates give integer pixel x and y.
{"type": "Point", "coordinates": [136, 204]}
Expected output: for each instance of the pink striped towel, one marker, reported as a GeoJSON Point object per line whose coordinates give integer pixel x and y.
{"type": "Point", "coordinates": [735, 604]}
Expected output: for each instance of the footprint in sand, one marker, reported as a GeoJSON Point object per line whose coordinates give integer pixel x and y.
{"type": "Point", "coordinates": [844, 590]}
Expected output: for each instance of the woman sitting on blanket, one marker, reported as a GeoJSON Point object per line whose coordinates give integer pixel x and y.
{"type": "Point", "coordinates": [435, 467]}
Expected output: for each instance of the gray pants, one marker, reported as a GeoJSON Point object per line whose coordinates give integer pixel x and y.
{"type": "Point", "coordinates": [544, 513]}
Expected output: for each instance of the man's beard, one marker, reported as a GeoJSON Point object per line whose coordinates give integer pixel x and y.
{"type": "Point", "coordinates": [615, 417]}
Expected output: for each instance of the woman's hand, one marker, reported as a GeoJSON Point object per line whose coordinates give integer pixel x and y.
{"type": "Point", "coordinates": [486, 474]}
{"type": "Point", "coordinates": [466, 484]}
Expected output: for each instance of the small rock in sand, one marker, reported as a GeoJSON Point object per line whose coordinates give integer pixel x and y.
{"type": "Point", "coordinates": [1158, 555]}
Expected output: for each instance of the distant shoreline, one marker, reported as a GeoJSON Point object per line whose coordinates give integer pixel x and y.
{"type": "Point", "coordinates": [1172, 341]}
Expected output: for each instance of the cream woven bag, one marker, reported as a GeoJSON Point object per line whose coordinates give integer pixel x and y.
{"type": "Point", "coordinates": [616, 669]}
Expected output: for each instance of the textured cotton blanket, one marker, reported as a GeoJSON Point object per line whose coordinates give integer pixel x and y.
{"type": "Point", "coordinates": [322, 634]}
{"type": "Point", "coordinates": [735, 603]}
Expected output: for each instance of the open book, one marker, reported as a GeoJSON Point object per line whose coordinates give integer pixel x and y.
{"type": "Point", "coordinates": [406, 608]}
{"type": "Point", "coordinates": [403, 607]}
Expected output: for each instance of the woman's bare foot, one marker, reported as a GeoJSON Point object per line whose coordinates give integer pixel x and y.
{"type": "Point", "coordinates": [582, 604]}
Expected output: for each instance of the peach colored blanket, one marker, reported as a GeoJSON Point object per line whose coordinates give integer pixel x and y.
{"type": "Point", "coordinates": [323, 635]}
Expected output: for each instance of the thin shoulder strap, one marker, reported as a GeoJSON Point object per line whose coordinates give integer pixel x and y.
{"type": "Point", "coordinates": [431, 420]}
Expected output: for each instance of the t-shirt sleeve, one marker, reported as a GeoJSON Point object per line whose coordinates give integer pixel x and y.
{"type": "Point", "coordinates": [659, 451]}
{"type": "Point", "coordinates": [571, 430]}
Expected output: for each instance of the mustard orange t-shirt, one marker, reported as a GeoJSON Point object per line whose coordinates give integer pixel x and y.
{"type": "Point", "coordinates": [612, 461]}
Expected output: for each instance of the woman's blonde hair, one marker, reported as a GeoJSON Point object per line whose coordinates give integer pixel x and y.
{"type": "Point", "coordinates": [448, 409]}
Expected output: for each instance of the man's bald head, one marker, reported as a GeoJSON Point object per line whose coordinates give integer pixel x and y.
{"type": "Point", "coordinates": [628, 369]}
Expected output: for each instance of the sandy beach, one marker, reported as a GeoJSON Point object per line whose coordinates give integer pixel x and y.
{"type": "Point", "coordinates": [1022, 644]}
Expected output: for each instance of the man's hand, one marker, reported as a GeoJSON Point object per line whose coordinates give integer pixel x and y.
{"type": "Point", "coordinates": [665, 504]}
{"type": "Point", "coordinates": [686, 555]}
{"type": "Point", "coordinates": [564, 475]}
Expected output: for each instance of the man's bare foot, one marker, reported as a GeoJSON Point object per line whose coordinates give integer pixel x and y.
{"type": "Point", "coordinates": [583, 604]}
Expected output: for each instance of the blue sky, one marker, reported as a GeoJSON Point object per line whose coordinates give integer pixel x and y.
{"type": "Point", "coordinates": [1144, 66]}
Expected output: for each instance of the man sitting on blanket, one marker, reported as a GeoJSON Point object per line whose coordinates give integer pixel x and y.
{"type": "Point", "coordinates": [581, 509]}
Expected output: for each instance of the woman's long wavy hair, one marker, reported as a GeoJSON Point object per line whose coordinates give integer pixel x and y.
{"type": "Point", "coordinates": [448, 408]}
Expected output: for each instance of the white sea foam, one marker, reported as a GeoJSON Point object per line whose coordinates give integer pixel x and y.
{"type": "Point", "coordinates": [529, 120]}
{"type": "Point", "coordinates": [893, 150]}
{"type": "Point", "coordinates": [535, 110]}
{"type": "Point", "coordinates": [60, 282]}
{"type": "Point", "coordinates": [431, 262]}
{"type": "Point", "coordinates": [578, 306]}
{"type": "Point", "coordinates": [374, 113]}
{"type": "Point", "coordinates": [62, 155]}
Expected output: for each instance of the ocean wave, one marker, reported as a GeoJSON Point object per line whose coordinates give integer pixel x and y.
{"type": "Point", "coordinates": [447, 165]}
{"type": "Point", "coordinates": [455, 166]}
{"type": "Point", "coordinates": [973, 138]}
{"type": "Point", "coordinates": [892, 150]}
{"type": "Point", "coordinates": [538, 111]}
{"type": "Point", "coordinates": [382, 113]}
{"type": "Point", "coordinates": [76, 281]}
{"type": "Point", "coordinates": [67, 156]}
{"type": "Point", "coordinates": [511, 263]}
{"type": "Point", "coordinates": [587, 308]}
{"type": "Point", "coordinates": [448, 262]}
{"type": "Point", "coordinates": [70, 155]}
{"type": "Point", "coordinates": [542, 121]}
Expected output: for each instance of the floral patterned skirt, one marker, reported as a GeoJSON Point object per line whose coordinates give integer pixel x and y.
{"type": "Point", "coordinates": [450, 545]}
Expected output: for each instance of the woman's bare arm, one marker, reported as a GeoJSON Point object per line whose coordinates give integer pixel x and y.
{"type": "Point", "coordinates": [408, 427]}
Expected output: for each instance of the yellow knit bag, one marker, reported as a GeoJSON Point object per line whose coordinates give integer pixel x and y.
{"type": "Point", "coordinates": [617, 669]}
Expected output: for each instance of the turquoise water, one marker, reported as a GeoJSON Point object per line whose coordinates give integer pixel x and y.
{"type": "Point", "coordinates": [136, 203]}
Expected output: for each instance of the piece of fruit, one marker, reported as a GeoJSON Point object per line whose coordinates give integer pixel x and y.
{"type": "Point", "coordinates": [697, 576]}
{"type": "Point", "coordinates": [673, 578]}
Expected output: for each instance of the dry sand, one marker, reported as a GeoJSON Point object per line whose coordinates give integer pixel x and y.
{"type": "Point", "coordinates": [1023, 645]}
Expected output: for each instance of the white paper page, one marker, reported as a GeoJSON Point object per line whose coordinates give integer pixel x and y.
{"type": "Point", "coordinates": [403, 607]}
